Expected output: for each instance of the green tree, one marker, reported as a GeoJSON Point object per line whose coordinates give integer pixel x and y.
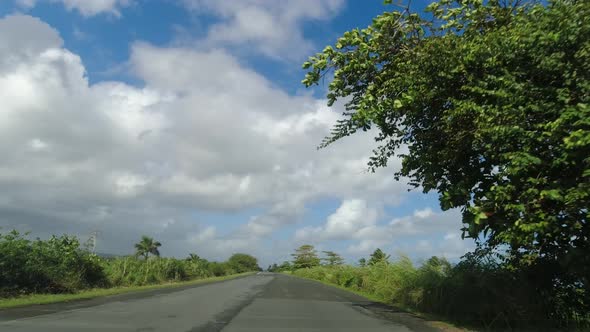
{"type": "Point", "coordinates": [305, 257]}
{"type": "Point", "coordinates": [378, 256]}
{"type": "Point", "coordinates": [198, 266]}
{"type": "Point", "coordinates": [147, 246]}
{"type": "Point", "coordinates": [285, 266]}
{"type": "Point", "coordinates": [194, 258]}
{"type": "Point", "coordinates": [492, 100]}
{"type": "Point", "coordinates": [333, 258]}
{"type": "Point", "coordinates": [243, 263]}
{"type": "Point", "coordinates": [220, 269]}
{"type": "Point", "coordinates": [362, 262]}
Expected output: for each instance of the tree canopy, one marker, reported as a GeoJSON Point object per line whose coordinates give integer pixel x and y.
{"type": "Point", "coordinates": [305, 257]}
{"type": "Point", "coordinates": [243, 263]}
{"type": "Point", "coordinates": [362, 262]}
{"type": "Point", "coordinates": [378, 256]}
{"type": "Point", "coordinates": [332, 258]}
{"type": "Point", "coordinates": [491, 101]}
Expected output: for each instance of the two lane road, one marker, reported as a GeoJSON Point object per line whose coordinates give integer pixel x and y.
{"type": "Point", "coordinates": [263, 302]}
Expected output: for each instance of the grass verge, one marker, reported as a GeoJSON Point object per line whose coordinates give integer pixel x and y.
{"type": "Point", "coordinates": [98, 292]}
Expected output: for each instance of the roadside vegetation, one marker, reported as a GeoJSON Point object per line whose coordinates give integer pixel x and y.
{"type": "Point", "coordinates": [479, 291]}
{"type": "Point", "coordinates": [61, 265]}
{"type": "Point", "coordinates": [486, 103]}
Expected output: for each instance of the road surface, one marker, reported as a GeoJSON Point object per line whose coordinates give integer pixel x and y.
{"type": "Point", "coordinates": [263, 302]}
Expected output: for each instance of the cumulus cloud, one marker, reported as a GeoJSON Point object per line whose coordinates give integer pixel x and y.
{"type": "Point", "coordinates": [352, 216]}
{"type": "Point", "coordinates": [424, 232]}
{"type": "Point", "coordinates": [85, 7]}
{"type": "Point", "coordinates": [204, 133]}
{"type": "Point", "coordinates": [272, 28]}
{"type": "Point", "coordinates": [24, 37]}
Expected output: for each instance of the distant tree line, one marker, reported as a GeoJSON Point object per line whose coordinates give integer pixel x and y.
{"type": "Point", "coordinates": [307, 257]}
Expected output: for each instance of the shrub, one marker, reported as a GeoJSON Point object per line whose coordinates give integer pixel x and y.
{"type": "Point", "coordinates": [56, 265]}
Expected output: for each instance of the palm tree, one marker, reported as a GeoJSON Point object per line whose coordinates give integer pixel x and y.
{"type": "Point", "coordinates": [378, 256]}
{"type": "Point", "coordinates": [193, 257]}
{"type": "Point", "coordinates": [147, 246]}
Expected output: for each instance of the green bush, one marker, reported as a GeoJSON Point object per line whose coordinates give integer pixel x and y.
{"type": "Point", "coordinates": [57, 265]}
{"type": "Point", "coordinates": [220, 269]}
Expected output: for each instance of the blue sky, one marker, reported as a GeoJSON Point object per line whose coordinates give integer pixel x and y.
{"type": "Point", "coordinates": [186, 120]}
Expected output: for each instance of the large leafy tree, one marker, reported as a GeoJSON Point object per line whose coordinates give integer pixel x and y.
{"type": "Point", "coordinates": [305, 257]}
{"type": "Point", "coordinates": [243, 263]}
{"type": "Point", "coordinates": [147, 246]}
{"type": "Point", "coordinates": [491, 100]}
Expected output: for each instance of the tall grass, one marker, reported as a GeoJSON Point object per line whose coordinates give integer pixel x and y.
{"type": "Point", "coordinates": [130, 271]}
{"type": "Point", "coordinates": [473, 292]}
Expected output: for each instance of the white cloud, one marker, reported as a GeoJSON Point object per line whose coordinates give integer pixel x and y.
{"type": "Point", "coordinates": [450, 245]}
{"type": "Point", "coordinates": [272, 28]}
{"type": "Point", "coordinates": [85, 7]}
{"type": "Point", "coordinates": [427, 233]}
{"type": "Point", "coordinates": [205, 133]}
{"type": "Point", "coordinates": [353, 216]}
{"type": "Point", "coordinates": [24, 37]}
{"type": "Point", "coordinates": [423, 214]}
{"type": "Point", "coordinates": [426, 221]}
{"type": "Point", "coordinates": [430, 233]}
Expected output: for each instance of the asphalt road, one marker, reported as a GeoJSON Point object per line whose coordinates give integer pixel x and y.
{"type": "Point", "coordinates": [264, 302]}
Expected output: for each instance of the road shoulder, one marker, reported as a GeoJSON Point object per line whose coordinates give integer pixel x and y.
{"type": "Point", "coordinates": [385, 311]}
